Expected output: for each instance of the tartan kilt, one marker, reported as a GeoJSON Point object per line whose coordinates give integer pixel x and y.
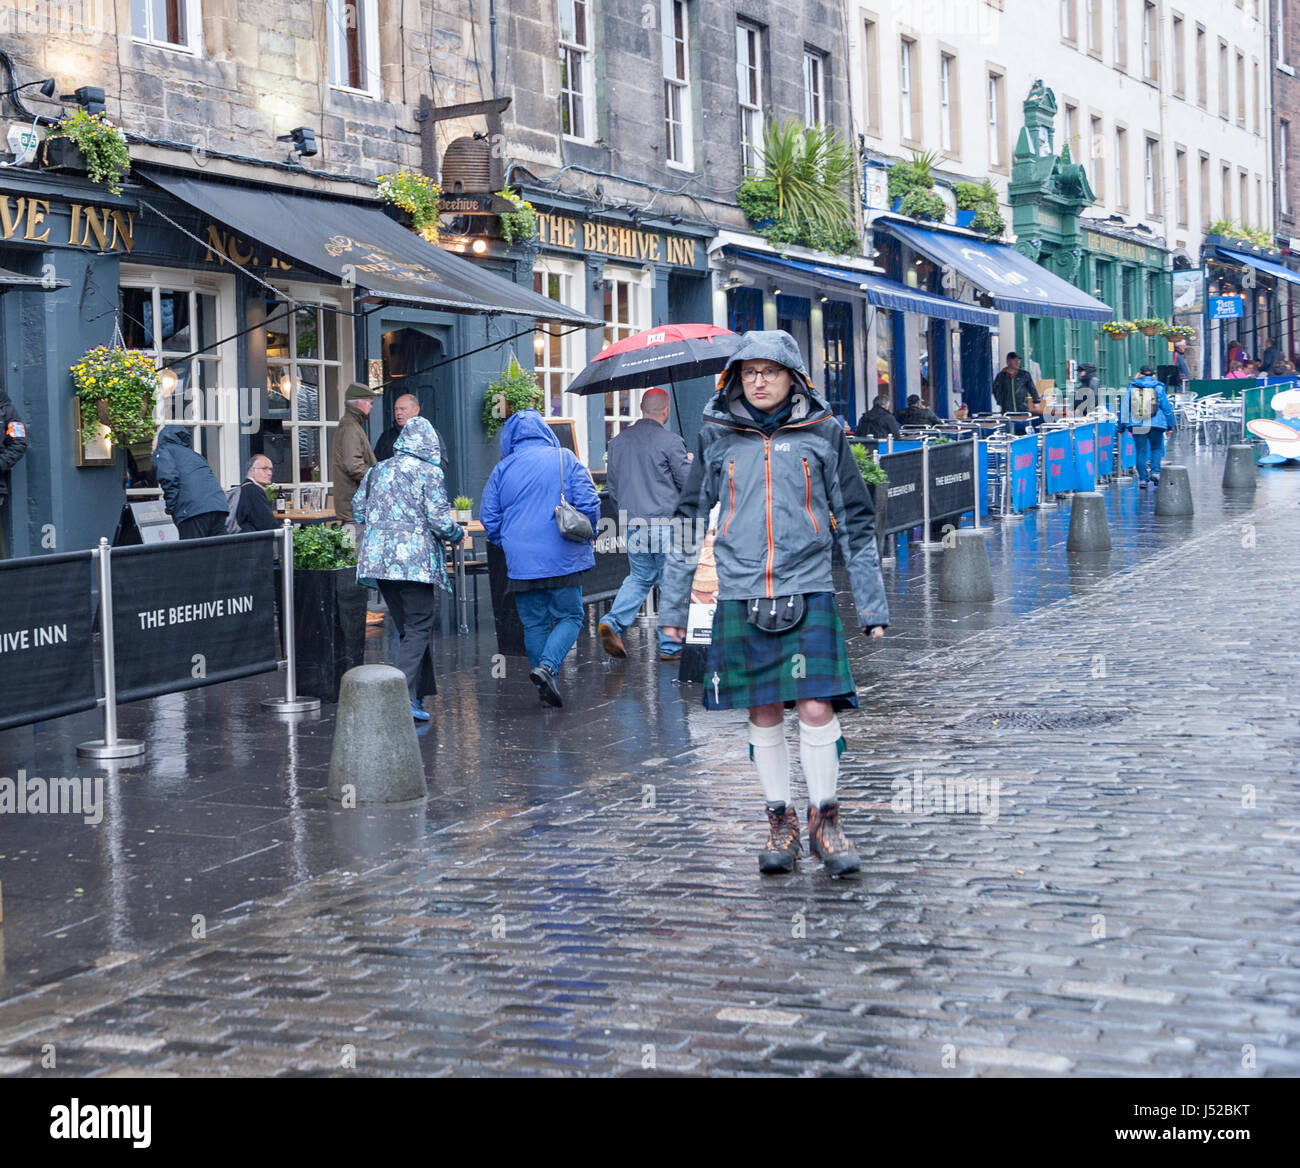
{"type": "Point", "coordinates": [748, 667]}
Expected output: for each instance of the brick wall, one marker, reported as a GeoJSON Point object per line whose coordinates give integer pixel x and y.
{"type": "Point", "coordinates": [1286, 101]}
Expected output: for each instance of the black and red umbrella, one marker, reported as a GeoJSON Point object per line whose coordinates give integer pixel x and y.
{"type": "Point", "coordinates": [667, 354]}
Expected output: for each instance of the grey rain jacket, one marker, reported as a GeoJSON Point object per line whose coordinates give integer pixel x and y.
{"type": "Point", "coordinates": [778, 495]}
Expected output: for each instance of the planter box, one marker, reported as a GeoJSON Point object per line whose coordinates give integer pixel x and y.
{"type": "Point", "coordinates": [329, 620]}
{"type": "Point", "coordinates": [966, 218]}
{"type": "Point", "coordinates": [62, 154]}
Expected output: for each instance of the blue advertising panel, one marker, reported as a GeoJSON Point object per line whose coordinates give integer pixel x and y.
{"type": "Point", "coordinates": [1105, 448]}
{"type": "Point", "coordinates": [1058, 461]}
{"type": "Point", "coordinates": [1085, 457]}
{"type": "Point", "coordinates": [1225, 307]}
{"type": "Point", "coordinates": [1024, 473]}
{"type": "Point", "coordinates": [1128, 455]}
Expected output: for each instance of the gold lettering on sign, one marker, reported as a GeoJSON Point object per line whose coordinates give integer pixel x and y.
{"type": "Point", "coordinates": [10, 219]}
{"type": "Point", "coordinates": [588, 237]}
{"type": "Point", "coordinates": [74, 221]}
{"type": "Point", "coordinates": [570, 233]}
{"type": "Point", "coordinates": [96, 225]}
{"type": "Point", "coordinates": [123, 230]}
{"type": "Point", "coordinates": [36, 216]}
{"type": "Point", "coordinates": [227, 247]}
{"type": "Point", "coordinates": [622, 242]}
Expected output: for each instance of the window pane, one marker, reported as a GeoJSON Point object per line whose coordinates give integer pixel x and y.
{"type": "Point", "coordinates": [306, 324]}
{"type": "Point", "coordinates": [137, 317]}
{"type": "Point", "coordinates": [174, 324]}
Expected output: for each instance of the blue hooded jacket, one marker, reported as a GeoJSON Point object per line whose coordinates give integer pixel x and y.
{"type": "Point", "coordinates": [189, 487]}
{"type": "Point", "coordinates": [519, 501]}
{"type": "Point", "coordinates": [1162, 419]}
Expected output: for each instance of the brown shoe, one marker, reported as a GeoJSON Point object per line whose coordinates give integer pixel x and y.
{"type": "Point", "coordinates": [610, 640]}
{"type": "Point", "coordinates": [826, 840]}
{"type": "Point", "coordinates": [783, 847]}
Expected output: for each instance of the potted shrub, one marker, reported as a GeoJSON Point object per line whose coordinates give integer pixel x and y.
{"type": "Point", "coordinates": [1148, 326]}
{"type": "Point", "coordinates": [329, 609]}
{"type": "Point", "coordinates": [1117, 330]}
{"type": "Point", "coordinates": [914, 175]}
{"type": "Point", "coordinates": [873, 474]}
{"type": "Point", "coordinates": [519, 225]}
{"type": "Point", "coordinates": [977, 207]}
{"type": "Point", "coordinates": [460, 508]}
{"type": "Point", "coordinates": [417, 195]}
{"type": "Point", "coordinates": [88, 143]}
{"type": "Point", "coordinates": [116, 387]}
{"type": "Point", "coordinates": [516, 389]}
{"type": "Point", "coordinates": [919, 204]}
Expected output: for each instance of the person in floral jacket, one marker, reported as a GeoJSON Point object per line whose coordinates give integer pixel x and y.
{"type": "Point", "coordinates": [403, 504]}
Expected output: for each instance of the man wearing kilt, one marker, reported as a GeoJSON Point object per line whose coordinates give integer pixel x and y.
{"type": "Point", "coordinates": [776, 461]}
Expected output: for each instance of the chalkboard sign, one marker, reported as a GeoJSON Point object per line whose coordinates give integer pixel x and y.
{"type": "Point", "coordinates": [566, 431]}
{"type": "Point", "coordinates": [145, 522]}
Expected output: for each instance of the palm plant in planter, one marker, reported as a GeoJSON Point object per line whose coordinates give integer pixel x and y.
{"type": "Point", "coordinates": [329, 609]}
{"type": "Point", "coordinates": [116, 388]}
{"type": "Point", "coordinates": [516, 389]}
{"type": "Point", "coordinates": [100, 144]}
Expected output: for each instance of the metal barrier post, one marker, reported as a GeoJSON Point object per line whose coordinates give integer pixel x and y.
{"type": "Point", "coordinates": [926, 541]}
{"type": "Point", "coordinates": [291, 703]}
{"type": "Point", "coordinates": [1045, 501]}
{"type": "Point", "coordinates": [110, 746]}
{"type": "Point", "coordinates": [975, 478]}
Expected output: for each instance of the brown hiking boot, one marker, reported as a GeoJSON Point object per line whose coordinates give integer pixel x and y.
{"type": "Point", "coordinates": [783, 845]}
{"type": "Point", "coordinates": [826, 841]}
{"type": "Point", "coordinates": [610, 640]}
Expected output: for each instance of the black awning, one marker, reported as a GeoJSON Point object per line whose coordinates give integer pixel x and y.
{"type": "Point", "coordinates": [10, 279]}
{"type": "Point", "coordinates": [360, 245]}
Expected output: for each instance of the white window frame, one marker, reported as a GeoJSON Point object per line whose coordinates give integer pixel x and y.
{"type": "Point", "coordinates": [1097, 154]}
{"type": "Point", "coordinates": [580, 102]}
{"type": "Point", "coordinates": [1093, 18]}
{"type": "Point", "coordinates": [1121, 35]}
{"type": "Point", "coordinates": [637, 286]}
{"type": "Point", "coordinates": [1283, 171]}
{"type": "Point", "coordinates": [814, 88]}
{"type": "Point", "coordinates": [190, 407]}
{"type": "Point", "coordinates": [1151, 178]}
{"type": "Point", "coordinates": [993, 108]}
{"type": "Point", "coordinates": [679, 134]}
{"type": "Point", "coordinates": [1279, 29]}
{"type": "Point", "coordinates": [749, 94]}
{"type": "Point", "coordinates": [570, 277]}
{"type": "Point", "coordinates": [1178, 53]}
{"type": "Point", "coordinates": [946, 139]}
{"type": "Point", "coordinates": [193, 16]}
{"type": "Point", "coordinates": [366, 14]}
{"type": "Point", "coordinates": [1121, 168]}
{"type": "Point", "coordinates": [1150, 41]}
{"type": "Point", "coordinates": [906, 79]}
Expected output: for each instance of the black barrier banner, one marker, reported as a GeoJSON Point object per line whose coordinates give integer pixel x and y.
{"type": "Point", "coordinates": [952, 479]}
{"type": "Point", "coordinates": [905, 508]}
{"type": "Point", "coordinates": [192, 613]}
{"type": "Point", "coordinates": [47, 663]}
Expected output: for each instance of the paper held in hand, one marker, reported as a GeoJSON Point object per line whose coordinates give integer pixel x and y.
{"type": "Point", "coordinates": [699, 624]}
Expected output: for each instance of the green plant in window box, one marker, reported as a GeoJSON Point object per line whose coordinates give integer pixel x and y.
{"type": "Point", "coordinates": [116, 387]}
{"type": "Point", "coordinates": [519, 225]}
{"type": "Point", "coordinates": [917, 174]}
{"type": "Point", "coordinates": [516, 389]}
{"type": "Point", "coordinates": [323, 549]}
{"type": "Point", "coordinates": [108, 160]}
{"type": "Point", "coordinates": [919, 204]}
{"type": "Point", "coordinates": [417, 195]}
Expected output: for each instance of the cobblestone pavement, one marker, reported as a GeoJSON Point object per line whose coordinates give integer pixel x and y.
{"type": "Point", "coordinates": [1108, 885]}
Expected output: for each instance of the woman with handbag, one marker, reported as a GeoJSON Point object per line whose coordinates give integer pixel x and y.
{"type": "Point", "coordinates": [541, 506]}
{"type": "Point", "coordinates": [402, 505]}
{"type": "Point", "coordinates": [776, 459]}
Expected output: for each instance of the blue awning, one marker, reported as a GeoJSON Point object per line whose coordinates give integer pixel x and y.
{"type": "Point", "coordinates": [877, 290]}
{"type": "Point", "coordinates": [1015, 282]}
{"type": "Point", "coordinates": [1266, 266]}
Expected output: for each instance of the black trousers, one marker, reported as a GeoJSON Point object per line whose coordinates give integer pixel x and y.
{"type": "Point", "coordinates": [202, 526]}
{"type": "Point", "coordinates": [414, 608]}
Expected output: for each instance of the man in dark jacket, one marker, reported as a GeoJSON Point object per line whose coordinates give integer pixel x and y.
{"type": "Point", "coordinates": [878, 422]}
{"type": "Point", "coordinates": [193, 497]}
{"type": "Point", "coordinates": [647, 469]}
{"type": "Point", "coordinates": [1013, 388]}
{"type": "Point", "coordinates": [916, 414]}
{"type": "Point", "coordinates": [253, 512]}
{"type": "Point", "coordinates": [544, 569]}
{"type": "Point", "coordinates": [351, 456]}
{"type": "Point", "coordinates": [406, 407]}
{"type": "Point", "coordinates": [13, 445]}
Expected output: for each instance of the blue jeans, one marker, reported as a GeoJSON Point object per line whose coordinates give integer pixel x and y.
{"type": "Point", "coordinates": [645, 561]}
{"type": "Point", "coordinates": [552, 619]}
{"type": "Point", "coordinates": [1150, 447]}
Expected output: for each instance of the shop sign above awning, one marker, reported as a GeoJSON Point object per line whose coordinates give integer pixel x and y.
{"type": "Point", "coordinates": [1268, 267]}
{"type": "Point", "coordinates": [1013, 281]}
{"type": "Point", "coordinates": [361, 246]}
{"type": "Point", "coordinates": [876, 290]}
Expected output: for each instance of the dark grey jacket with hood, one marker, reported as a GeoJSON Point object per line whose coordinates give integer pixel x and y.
{"type": "Point", "coordinates": [778, 494]}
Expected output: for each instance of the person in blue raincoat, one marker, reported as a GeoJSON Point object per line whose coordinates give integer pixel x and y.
{"type": "Point", "coordinates": [544, 569]}
{"type": "Point", "coordinates": [403, 504]}
{"type": "Point", "coordinates": [1147, 411]}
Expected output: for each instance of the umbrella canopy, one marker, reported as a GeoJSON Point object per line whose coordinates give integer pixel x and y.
{"type": "Point", "coordinates": [671, 352]}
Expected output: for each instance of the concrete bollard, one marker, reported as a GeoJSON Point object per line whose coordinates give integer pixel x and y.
{"type": "Point", "coordinates": [964, 574]}
{"type": "Point", "coordinates": [1174, 491]}
{"type": "Point", "coordinates": [375, 753]}
{"type": "Point", "coordinates": [1089, 526]}
{"type": "Point", "coordinates": [1240, 473]}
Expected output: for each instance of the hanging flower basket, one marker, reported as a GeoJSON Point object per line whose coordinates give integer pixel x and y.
{"type": "Point", "coordinates": [417, 195]}
{"type": "Point", "coordinates": [1150, 326]}
{"type": "Point", "coordinates": [117, 388]}
{"type": "Point", "coordinates": [91, 143]}
{"type": "Point", "coordinates": [1179, 332]}
{"type": "Point", "coordinates": [1117, 330]}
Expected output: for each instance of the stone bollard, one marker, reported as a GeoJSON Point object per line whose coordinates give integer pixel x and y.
{"type": "Point", "coordinates": [375, 751]}
{"type": "Point", "coordinates": [1089, 526]}
{"type": "Point", "coordinates": [1174, 491]}
{"type": "Point", "coordinates": [1240, 473]}
{"type": "Point", "coordinates": [964, 574]}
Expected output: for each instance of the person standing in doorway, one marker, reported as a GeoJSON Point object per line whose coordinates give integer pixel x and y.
{"type": "Point", "coordinates": [1146, 411]}
{"type": "Point", "coordinates": [778, 463]}
{"type": "Point", "coordinates": [352, 455]}
{"type": "Point", "coordinates": [193, 497]}
{"type": "Point", "coordinates": [647, 469]}
{"type": "Point", "coordinates": [13, 445]}
{"type": "Point", "coordinates": [1014, 389]}
{"type": "Point", "coordinates": [406, 407]}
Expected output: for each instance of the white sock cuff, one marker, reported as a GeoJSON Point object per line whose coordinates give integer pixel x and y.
{"type": "Point", "coordinates": [766, 735]}
{"type": "Point", "coordinates": [826, 735]}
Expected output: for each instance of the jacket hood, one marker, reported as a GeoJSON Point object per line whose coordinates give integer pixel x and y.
{"type": "Point", "coordinates": [525, 426]}
{"type": "Point", "coordinates": [175, 436]}
{"type": "Point", "coordinates": [418, 439]}
{"type": "Point", "coordinates": [774, 345]}
{"type": "Point", "coordinates": [1146, 381]}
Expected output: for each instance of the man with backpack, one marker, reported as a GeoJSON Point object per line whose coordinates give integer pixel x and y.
{"type": "Point", "coordinates": [247, 508]}
{"type": "Point", "coordinates": [1146, 412]}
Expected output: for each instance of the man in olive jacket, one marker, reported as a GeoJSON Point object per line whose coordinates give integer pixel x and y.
{"type": "Point", "coordinates": [352, 455]}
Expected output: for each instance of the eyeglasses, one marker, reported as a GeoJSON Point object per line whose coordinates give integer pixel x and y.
{"type": "Point", "coordinates": [749, 376]}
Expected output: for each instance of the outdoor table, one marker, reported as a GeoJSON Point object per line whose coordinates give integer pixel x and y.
{"type": "Point", "coordinates": [301, 518]}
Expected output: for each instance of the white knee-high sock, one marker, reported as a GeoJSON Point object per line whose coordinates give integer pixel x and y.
{"type": "Point", "coordinates": [819, 751]}
{"type": "Point", "coordinates": [771, 758]}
